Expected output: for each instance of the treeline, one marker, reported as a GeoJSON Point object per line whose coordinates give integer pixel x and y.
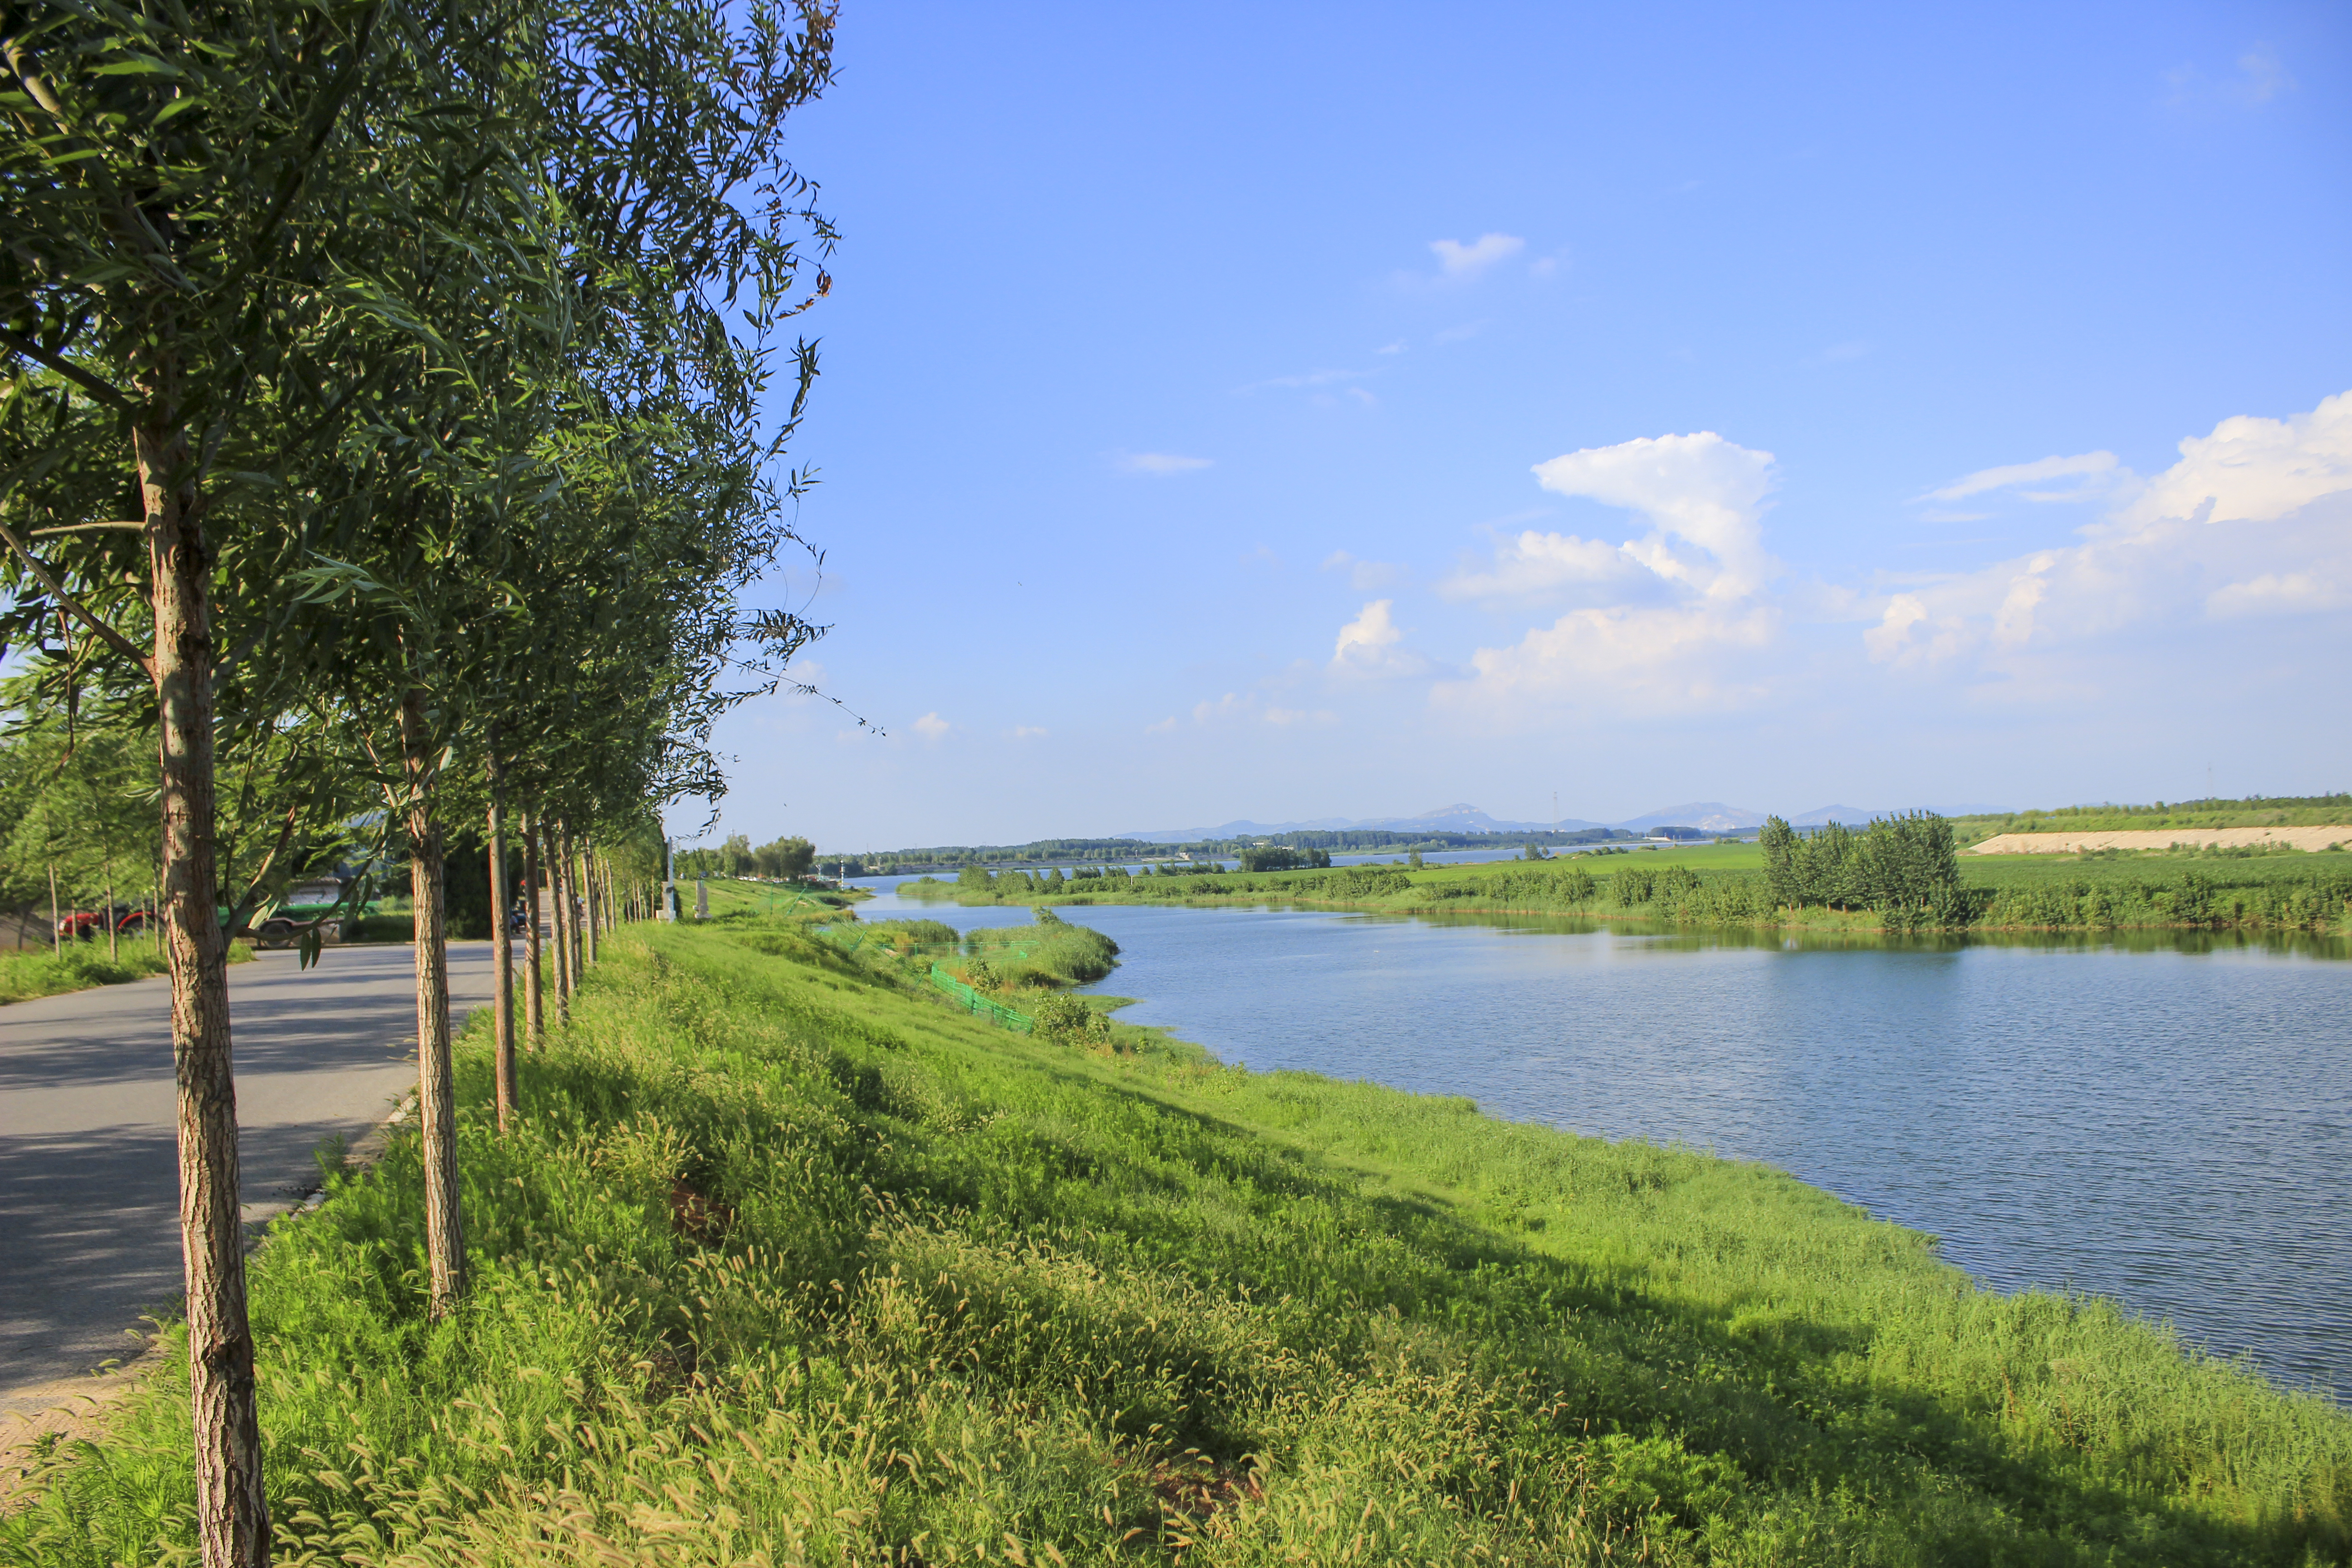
{"type": "Point", "coordinates": [1045, 851]}
{"type": "Point", "coordinates": [2255, 896]}
{"type": "Point", "coordinates": [385, 446]}
{"type": "Point", "coordinates": [1903, 868]}
{"type": "Point", "coordinates": [784, 859]}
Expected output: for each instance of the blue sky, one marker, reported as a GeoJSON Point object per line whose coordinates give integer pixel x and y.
{"type": "Point", "coordinates": [1300, 411]}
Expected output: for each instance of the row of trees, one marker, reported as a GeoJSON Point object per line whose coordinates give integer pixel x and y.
{"type": "Point", "coordinates": [1905, 867]}
{"type": "Point", "coordinates": [384, 445]}
{"type": "Point", "coordinates": [784, 859]}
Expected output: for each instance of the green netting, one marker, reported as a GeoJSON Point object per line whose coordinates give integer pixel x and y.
{"type": "Point", "coordinates": [1017, 1021]}
{"type": "Point", "coordinates": [835, 934]}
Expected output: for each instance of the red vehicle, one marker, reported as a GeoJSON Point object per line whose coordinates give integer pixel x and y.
{"type": "Point", "coordinates": [91, 923]}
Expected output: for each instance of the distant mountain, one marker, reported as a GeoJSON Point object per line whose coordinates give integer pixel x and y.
{"type": "Point", "coordinates": [1851, 816]}
{"type": "Point", "coordinates": [1710, 814]}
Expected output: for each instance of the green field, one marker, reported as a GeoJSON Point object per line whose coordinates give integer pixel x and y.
{"type": "Point", "coordinates": [790, 1261]}
{"type": "Point", "coordinates": [1723, 885]}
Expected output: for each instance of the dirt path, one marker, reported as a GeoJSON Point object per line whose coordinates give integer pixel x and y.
{"type": "Point", "coordinates": [2163, 838]}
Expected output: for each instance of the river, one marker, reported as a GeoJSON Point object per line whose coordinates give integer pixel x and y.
{"type": "Point", "coordinates": [2166, 1124]}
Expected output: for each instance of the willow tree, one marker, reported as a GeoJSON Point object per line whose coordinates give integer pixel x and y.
{"type": "Point", "coordinates": [179, 188]}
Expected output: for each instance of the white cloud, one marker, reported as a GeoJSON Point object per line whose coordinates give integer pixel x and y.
{"type": "Point", "coordinates": [1369, 646]}
{"type": "Point", "coordinates": [931, 726]}
{"type": "Point", "coordinates": [2253, 469]}
{"type": "Point", "coordinates": [1461, 334]}
{"type": "Point", "coordinates": [1467, 261]}
{"type": "Point", "coordinates": [1704, 494]}
{"type": "Point", "coordinates": [2088, 464]}
{"type": "Point", "coordinates": [1027, 733]}
{"type": "Point", "coordinates": [2254, 520]}
{"type": "Point", "coordinates": [1364, 576]}
{"type": "Point", "coordinates": [1535, 565]}
{"type": "Point", "coordinates": [1698, 655]}
{"type": "Point", "coordinates": [1161, 464]}
{"type": "Point", "coordinates": [2273, 592]}
{"type": "Point", "coordinates": [1704, 498]}
{"type": "Point", "coordinates": [1161, 728]}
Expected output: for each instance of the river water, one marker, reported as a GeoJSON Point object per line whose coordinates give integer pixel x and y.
{"type": "Point", "coordinates": [2166, 1124]}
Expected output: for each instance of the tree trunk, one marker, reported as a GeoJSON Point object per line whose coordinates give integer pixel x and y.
{"type": "Point", "coordinates": [501, 949]}
{"type": "Point", "coordinates": [113, 942]}
{"type": "Point", "coordinates": [232, 1510]}
{"type": "Point", "coordinates": [57, 927]}
{"type": "Point", "coordinates": [557, 899]}
{"type": "Point", "coordinates": [436, 1095]}
{"type": "Point", "coordinates": [596, 903]}
{"type": "Point", "coordinates": [574, 906]}
{"type": "Point", "coordinates": [534, 1007]}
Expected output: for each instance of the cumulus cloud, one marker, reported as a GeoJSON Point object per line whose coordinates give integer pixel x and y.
{"type": "Point", "coordinates": [1370, 645]}
{"type": "Point", "coordinates": [1535, 565]}
{"type": "Point", "coordinates": [1160, 465]}
{"type": "Point", "coordinates": [2251, 469]}
{"type": "Point", "coordinates": [1464, 262]}
{"type": "Point", "coordinates": [1028, 732]}
{"type": "Point", "coordinates": [931, 726]}
{"type": "Point", "coordinates": [2254, 520]}
{"type": "Point", "coordinates": [1704, 552]}
{"type": "Point", "coordinates": [1704, 494]}
{"type": "Point", "coordinates": [1679, 657]}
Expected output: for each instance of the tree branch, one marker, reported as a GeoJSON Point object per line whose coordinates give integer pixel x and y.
{"type": "Point", "coordinates": [42, 575]}
{"type": "Point", "coordinates": [64, 367]}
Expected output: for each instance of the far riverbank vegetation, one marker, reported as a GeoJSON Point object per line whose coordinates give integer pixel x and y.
{"type": "Point", "coordinates": [1897, 874]}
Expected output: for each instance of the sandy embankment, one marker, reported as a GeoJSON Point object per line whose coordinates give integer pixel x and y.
{"type": "Point", "coordinates": [2161, 839]}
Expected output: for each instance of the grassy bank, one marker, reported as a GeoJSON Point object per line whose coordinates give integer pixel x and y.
{"type": "Point", "coordinates": [1723, 885]}
{"type": "Point", "coordinates": [791, 1262]}
{"type": "Point", "coordinates": [82, 964]}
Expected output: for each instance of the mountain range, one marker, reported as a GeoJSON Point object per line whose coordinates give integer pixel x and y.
{"type": "Point", "coordinates": [1708, 815]}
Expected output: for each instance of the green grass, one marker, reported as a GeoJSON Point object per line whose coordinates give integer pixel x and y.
{"type": "Point", "coordinates": [1724, 886]}
{"type": "Point", "coordinates": [790, 1262]}
{"type": "Point", "coordinates": [82, 964]}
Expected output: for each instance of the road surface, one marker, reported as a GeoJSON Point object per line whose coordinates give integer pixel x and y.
{"type": "Point", "coordinates": [89, 1234]}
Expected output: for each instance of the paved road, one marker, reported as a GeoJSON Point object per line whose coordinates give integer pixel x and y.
{"type": "Point", "coordinates": [89, 1232]}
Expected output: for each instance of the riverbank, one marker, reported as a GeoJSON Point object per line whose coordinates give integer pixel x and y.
{"type": "Point", "coordinates": [791, 1257]}
{"type": "Point", "coordinates": [1725, 886]}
